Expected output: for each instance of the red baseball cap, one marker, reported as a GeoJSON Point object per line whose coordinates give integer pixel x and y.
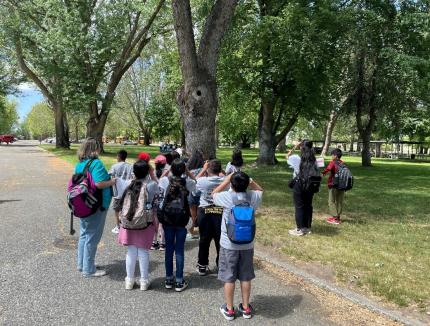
{"type": "Point", "coordinates": [144, 157]}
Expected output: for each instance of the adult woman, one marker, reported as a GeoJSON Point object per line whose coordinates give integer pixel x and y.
{"type": "Point", "coordinates": [91, 227]}
{"type": "Point", "coordinates": [304, 167]}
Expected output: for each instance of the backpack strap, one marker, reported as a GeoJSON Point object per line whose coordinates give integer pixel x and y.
{"type": "Point", "coordinates": [87, 166]}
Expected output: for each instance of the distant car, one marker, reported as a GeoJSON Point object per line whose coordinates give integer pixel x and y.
{"type": "Point", "coordinates": [7, 139]}
{"type": "Point", "coordinates": [129, 142]}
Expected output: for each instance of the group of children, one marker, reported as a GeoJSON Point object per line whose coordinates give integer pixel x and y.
{"type": "Point", "coordinates": [183, 194]}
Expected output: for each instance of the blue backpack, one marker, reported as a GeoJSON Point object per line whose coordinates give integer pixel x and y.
{"type": "Point", "coordinates": [241, 223]}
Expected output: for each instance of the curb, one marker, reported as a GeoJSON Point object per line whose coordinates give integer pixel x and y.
{"type": "Point", "coordinates": [345, 293]}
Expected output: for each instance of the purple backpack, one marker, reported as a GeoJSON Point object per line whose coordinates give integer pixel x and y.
{"type": "Point", "coordinates": [83, 197]}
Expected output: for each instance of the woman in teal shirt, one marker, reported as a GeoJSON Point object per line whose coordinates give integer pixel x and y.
{"type": "Point", "coordinates": [91, 227]}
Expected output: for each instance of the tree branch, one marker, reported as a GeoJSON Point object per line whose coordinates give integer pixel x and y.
{"type": "Point", "coordinates": [30, 73]}
{"type": "Point", "coordinates": [287, 128]}
{"type": "Point", "coordinates": [185, 37]}
{"type": "Point", "coordinates": [216, 25]}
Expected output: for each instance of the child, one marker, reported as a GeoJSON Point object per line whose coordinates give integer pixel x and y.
{"type": "Point", "coordinates": [236, 261]}
{"type": "Point", "coordinates": [123, 172]}
{"type": "Point", "coordinates": [175, 187]}
{"type": "Point", "coordinates": [194, 165]}
{"type": "Point", "coordinates": [138, 241]}
{"type": "Point", "coordinates": [236, 162]}
{"type": "Point", "coordinates": [208, 215]}
{"type": "Point", "coordinates": [335, 196]}
{"type": "Point", "coordinates": [159, 243]}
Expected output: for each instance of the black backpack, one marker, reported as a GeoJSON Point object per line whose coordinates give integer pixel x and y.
{"type": "Point", "coordinates": [175, 211]}
{"type": "Point", "coordinates": [343, 179]}
{"type": "Point", "coordinates": [313, 182]}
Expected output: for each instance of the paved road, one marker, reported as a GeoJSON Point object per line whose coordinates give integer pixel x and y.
{"type": "Point", "coordinates": [40, 286]}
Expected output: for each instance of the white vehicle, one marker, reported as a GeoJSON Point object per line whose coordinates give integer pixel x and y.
{"type": "Point", "coordinates": [129, 142]}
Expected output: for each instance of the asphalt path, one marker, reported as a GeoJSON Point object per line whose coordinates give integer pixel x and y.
{"type": "Point", "coordinates": [39, 283]}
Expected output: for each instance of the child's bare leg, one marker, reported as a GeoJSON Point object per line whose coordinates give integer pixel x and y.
{"type": "Point", "coordinates": [245, 288]}
{"type": "Point", "coordinates": [229, 294]}
{"type": "Point", "coordinates": [193, 210]}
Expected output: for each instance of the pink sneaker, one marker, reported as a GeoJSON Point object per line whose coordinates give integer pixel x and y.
{"type": "Point", "coordinates": [333, 220]}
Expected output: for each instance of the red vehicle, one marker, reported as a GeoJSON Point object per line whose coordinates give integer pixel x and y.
{"type": "Point", "coordinates": [7, 139]}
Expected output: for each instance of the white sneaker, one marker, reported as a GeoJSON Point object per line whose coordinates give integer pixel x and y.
{"type": "Point", "coordinates": [189, 237]}
{"type": "Point", "coordinates": [98, 273]}
{"type": "Point", "coordinates": [306, 231]}
{"type": "Point", "coordinates": [144, 284]}
{"type": "Point", "coordinates": [129, 283]}
{"type": "Point", "coordinates": [296, 232]}
{"type": "Point", "coordinates": [115, 230]}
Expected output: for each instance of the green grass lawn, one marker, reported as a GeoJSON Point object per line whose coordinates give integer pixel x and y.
{"type": "Point", "coordinates": [383, 246]}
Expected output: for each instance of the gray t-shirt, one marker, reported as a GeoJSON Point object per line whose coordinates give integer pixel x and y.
{"type": "Point", "coordinates": [205, 186]}
{"type": "Point", "coordinates": [225, 199]}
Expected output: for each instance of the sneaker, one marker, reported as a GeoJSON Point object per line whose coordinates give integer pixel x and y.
{"type": "Point", "coordinates": [115, 230]}
{"type": "Point", "coordinates": [246, 313]}
{"type": "Point", "coordinates": [202, 269]}
{"type": "Point", "coordinates": [296, 232]}
{"type": "Point", "coordinates": [154, 246]}
{"type": "Point", "coordinates": [98, 273]}
{"type": "Point", "coordinates": [162, 247]}
{"type": "Point", "coordinates": [168, 283]}
{"type": "Point", "coordinates": [333, 220]}
{"type": "Point", "coordinates": [181, 286]}
{"type": "Point", "coordinates": [144, 284]}
{"type": "Point", "coordinates": [306, 231]}
{"type": "Point", "coordinates": [227, 313]}
{"type": "Point", "coordinates": [129, 283]}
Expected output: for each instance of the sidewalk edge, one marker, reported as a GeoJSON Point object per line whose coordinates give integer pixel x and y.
{"type": "Point", "coordinates": [345, 293]}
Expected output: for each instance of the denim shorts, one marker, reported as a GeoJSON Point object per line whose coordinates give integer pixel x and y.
{"type": "Point", "coordinates": [193, 200]}
{"type": "Point", "coordinates": [236, 265]}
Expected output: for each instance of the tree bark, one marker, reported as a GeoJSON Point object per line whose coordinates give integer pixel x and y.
{"type": "Point", "coordinates": [95, 127]}
{"type": "Point", "coordinates": [61, 129]}
{"type": "Point", "coordinates": [282, 147]}
{"type": "Point", "coordinates": [266, 138]}
{"type": "Point", "coordinates": [198, 97]}
{"type": "Point", "coordinates": [147, 136]}
{"type": "Point", "coordinates": [330, 127]}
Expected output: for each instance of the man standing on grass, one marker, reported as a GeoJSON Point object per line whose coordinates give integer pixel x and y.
{"type": "Point", "coordinates": [335, 196]}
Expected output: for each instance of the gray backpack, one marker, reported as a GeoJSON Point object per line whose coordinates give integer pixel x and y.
{"type": "Point", "coordinates": [343, 179]}
{"type": "Point", "coordinates": [143, 215]}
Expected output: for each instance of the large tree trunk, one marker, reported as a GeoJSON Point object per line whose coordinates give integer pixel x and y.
{"type": "Point", "coordinates": [266, 137]}
{"type": "Point", "coordinates": [61, 128]}
{"type": "Point", "coordinates": [96, 126]}
{"type": "Point", "coordinates": [366, 157]}
{"type": "Point", "coordinates": [197, 98]}
{"type": "Point", "coordinates": [147, 136]}
{"type": "Point", "coordinates": [329, 132]}
{"type": "Point", "coordinates": [282, 147]}
{"type": "Point", "coordinates": [198, 104]}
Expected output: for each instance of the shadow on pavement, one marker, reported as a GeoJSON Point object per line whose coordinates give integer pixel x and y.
{"type": "Point", "coordinates": [9, 201]}
{"type": "Point", "coordinates": [274, 307]}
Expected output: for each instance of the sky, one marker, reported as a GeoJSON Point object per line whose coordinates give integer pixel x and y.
{"type": "Point", "coordinates": [28, 96]}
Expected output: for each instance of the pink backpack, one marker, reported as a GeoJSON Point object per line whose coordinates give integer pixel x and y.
{"type": "Point", "coordinates": [83, 197]}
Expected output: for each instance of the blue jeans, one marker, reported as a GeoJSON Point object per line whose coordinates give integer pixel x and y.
{"type": "Point", "coordinates": [175, 241]}
{"type": "Point", "coordinates": [91, 231]}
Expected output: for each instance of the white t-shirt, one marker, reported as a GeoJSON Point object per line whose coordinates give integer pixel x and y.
{"type": "Point", "coordinates": [226, 199]}
{"type": "Point", "coordinates": [294, 162]}
{"type": "Point", "coordinates": [123, 171]}
{"type": "Point", "coordinates": [163, 183]}
{"type": "Point", "coordinates": [230, 168]}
